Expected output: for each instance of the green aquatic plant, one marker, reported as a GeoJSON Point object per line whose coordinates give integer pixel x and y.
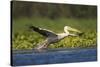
{"type": "Point", "coordinates": [30, 40]}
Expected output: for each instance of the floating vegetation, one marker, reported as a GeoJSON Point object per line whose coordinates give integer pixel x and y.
{"type": "Point", "coordinates": [30, 40]}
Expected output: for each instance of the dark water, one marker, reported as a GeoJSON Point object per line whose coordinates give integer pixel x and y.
{"type": "Point", "coordinates": [52, 56]}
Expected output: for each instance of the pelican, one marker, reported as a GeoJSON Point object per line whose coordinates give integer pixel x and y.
{"type": "Point", "coordinates": [52, 37]}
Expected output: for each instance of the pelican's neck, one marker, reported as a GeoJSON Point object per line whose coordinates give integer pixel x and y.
{"type": "Point", "coordinates": [62, 35]}
{"type": "Point", "coordinates": [66, 30]}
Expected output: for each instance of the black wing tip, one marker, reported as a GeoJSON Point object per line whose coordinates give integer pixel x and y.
{"type": "Point", "coordinates": [29, 25]}
{"type": "Point", "coordinates": [32, 27]}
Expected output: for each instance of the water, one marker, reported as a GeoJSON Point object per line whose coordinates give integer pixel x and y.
{"type": "Point", "coordinates": [52, 56]}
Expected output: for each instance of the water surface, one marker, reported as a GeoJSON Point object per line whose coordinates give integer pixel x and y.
{"type": "Point", "coordinates": [52, 56]}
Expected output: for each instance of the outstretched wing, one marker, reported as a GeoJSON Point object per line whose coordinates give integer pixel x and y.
{"type": "Point", "coordinates": [43, 32]}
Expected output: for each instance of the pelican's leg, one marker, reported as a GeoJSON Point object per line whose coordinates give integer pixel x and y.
{"type": "Point", "coordinates": [42, 45]}
{"type": "Point", "coordinates": [45, 46]}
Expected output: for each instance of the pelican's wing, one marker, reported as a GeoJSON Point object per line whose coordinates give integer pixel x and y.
{"type": "Point", "coordinates": [43, 32]}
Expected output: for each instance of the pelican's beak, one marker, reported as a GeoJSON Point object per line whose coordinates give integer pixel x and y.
{"type": "Point", "coordinates": [74, 30]}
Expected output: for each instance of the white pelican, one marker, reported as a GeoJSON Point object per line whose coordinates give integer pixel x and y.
{"type": "Point", "coordinates": [52, 37]}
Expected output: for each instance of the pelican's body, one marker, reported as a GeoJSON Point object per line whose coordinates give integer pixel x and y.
{"type": "Point", "coordinates": [51, 37]}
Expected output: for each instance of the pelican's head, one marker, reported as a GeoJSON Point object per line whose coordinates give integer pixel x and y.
{"type": "Point", "coordinates": [67, 29]}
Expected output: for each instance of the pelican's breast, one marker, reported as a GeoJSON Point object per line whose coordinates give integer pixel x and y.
{"type": "Point", "coordinates": [57, 38]}
{"type": "Point", "coordinates": [52, 39]}
{"type": "Point", "coordinates": [62, 35]}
